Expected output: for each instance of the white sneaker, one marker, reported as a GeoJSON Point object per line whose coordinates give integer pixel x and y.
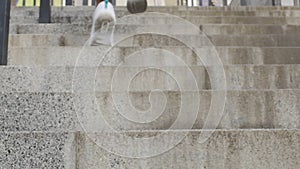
{"type": "Point", "coordinates": [104, 20]}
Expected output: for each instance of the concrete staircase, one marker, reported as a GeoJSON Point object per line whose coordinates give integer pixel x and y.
{"type": "Point", "coordinates": [50, 120]}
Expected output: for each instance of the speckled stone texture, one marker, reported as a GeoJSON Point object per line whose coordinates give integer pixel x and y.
{"type": "Point", "coordinates": [246, 149]}
{"type": "Point", "coordinates": [20, 150]}
{"type": "Point", "coordinates": [60, 79]}
{"type": "Point", "coordinates": [47, 121]}
{"type": "Point", "coordinates": [40, 111]}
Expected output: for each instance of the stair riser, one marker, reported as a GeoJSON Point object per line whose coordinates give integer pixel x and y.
{"type": "Point", "coordinates": [171, 29]}
{"type": "Point", "coordinates": [67, 56]}
{"type": "Point", "coordinates": [236, 150]}
{"type": "Point", "coordinates": [165, 20]}
{"type": "Point", "coordinates": [59, 79]}
{"type": "Point", "coordinates": [73, 11]}
{"type": "Point", "coordinates": [63, 111]}
{"type": "Point", "coordinates": [229, 149]}
{"type": "Point", "coordinates": [159, 41]}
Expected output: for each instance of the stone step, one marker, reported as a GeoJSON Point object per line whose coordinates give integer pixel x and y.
{"type": "Point", "coordinates": [27, 9]}
{"type": "Point", "coordinates": [66, 111]}
{"type": "Point", "coordinates": [67, 56]}
{"type": "Point", "coordinates": [145, 78]}
{"type": "Point", "coordinates": [172, 28]}
{"type": "Point", "coordinates": [160, 19]}
{"type": "Point", "coordinates": [166, 19]}
{"type": "Point", "coordinates": [88, 11]}
{"type": "Point", "coordinates": [153, 40]}
{"type": "Point", "coordinates": [234, 149]}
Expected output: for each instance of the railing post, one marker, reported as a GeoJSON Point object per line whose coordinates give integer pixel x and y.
{"type": "Point", "coordinates": [45, 11]}
{"type": "Point", "coordinates": [243, 3]}
{"type": "Point", "coordinates": [68, 2]}
{"type": "Point", "coordinates": [4, 30]}
{"type": "Point", "coordinates": [85, 2]}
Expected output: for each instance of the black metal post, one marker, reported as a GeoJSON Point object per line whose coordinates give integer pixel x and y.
{"type": "Point", "coordinates": [4, 30]}
{"type": "Point", "coordinates": [68, 2]}
{"type": "Point", "coordinates": [45, 11]}
{"type": "Point", "coordinates": [85, 2]}
{"type": "Point", "coordinates": [243, 2]}
{"type": "Point", "coordinates": [273, 3]}
{"type": "Point", "coordinates": [225, 3]}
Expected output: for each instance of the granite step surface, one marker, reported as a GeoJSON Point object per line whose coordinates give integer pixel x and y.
{"type": "Point", "coordinates": [144, 78]}
{"type": "Point", "coordinates": [163, 18]}
{"type": "Point", "coordinates": [171, 28]}
{"type": "Point", "coordinates": [245, 149]}
{"type": "Point", "coordinates": [68, 55]}
{"type": "Point", "coordinates": [158, 40]}
{"type": "Point", "coordinates": [201, 11]}
{"type": "Point", "coordinates": [68, 111]}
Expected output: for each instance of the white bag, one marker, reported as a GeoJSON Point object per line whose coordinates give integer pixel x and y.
{"type": "Point", "coordinates": [104, 20]}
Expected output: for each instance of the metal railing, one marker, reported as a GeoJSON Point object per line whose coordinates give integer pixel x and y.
{"type": "Point", "coordinates": [55, 2]}
{"type": "Point", "coordinates": [201, 3]}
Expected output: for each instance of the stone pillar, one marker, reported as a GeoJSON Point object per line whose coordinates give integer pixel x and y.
{"type": "Point", "coordinates": [78, 2]}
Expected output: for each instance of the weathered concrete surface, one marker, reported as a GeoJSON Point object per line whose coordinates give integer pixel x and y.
{"type": "Point", "coordinates": [161, 20]}
{"type": "Point", "coordinates": [242, 149]}
{"type": "Point", "coordinates": [44, 111]}
{"type": "Point", "coordinates": [67, 55]}
{"type": "Point", "coordinates": [41, 119]}
{"type": "Point", "coordinates": [181, 11]}
{"type": "Point", "coordinates": [171, 28]}
{"type": "Point", "coordinates": [57, 79]}
{"type": "Point", "coordinates": [152, 40]}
